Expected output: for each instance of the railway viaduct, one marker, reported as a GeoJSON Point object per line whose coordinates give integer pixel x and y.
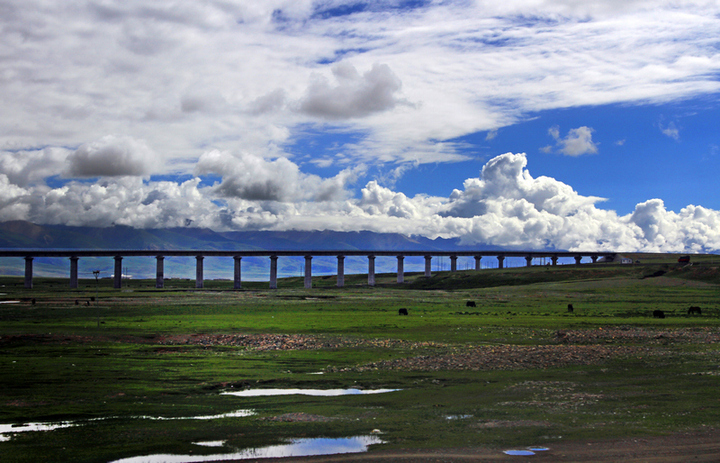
{"type": "Point", "coordinates": [75, 255]}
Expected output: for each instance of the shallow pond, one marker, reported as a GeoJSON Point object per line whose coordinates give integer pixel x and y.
{"type": "Point", "coordinates": [311, 392]}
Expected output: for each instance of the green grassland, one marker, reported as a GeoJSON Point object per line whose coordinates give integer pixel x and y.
{"type": "Point", "coordinates": [115, 366]}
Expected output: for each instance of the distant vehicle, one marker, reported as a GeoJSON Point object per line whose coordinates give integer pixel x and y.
{"type": "Point", "coordinates": [684, 259]}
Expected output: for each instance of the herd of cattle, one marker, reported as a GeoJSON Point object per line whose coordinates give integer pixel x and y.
{"type": "Point", "coordinates": [694, 310]}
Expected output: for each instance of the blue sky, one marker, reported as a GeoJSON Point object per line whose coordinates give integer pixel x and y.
{"type": "Point", "coordinates": [526, 124]}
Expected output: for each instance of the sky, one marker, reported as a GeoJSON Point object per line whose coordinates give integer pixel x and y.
{"type": "Point", "coordinates": [528, 124]}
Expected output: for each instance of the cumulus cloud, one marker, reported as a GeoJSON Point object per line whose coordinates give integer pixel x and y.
{"type": "Point", "coordinates": [249, 177]}
{"type": "Point", "coordinates": [505, 177]}
{"type": "Point", "coordinates": [353, 95]}
{"type": "Point", "coordinates": [123, 201]}
{"type": "Point", "coordinates": [576, 143]}
{"type": "Point", "coordinates": [504, 206]}
{"type": "Point", "coordinates": [13, 200]}
{"type": "Point", "coordinates": [26, 167]}
{"type": "Point", "coordinates": [113, 156]}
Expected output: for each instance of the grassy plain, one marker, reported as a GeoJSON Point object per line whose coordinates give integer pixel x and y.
{"type": "Point", "coordinates": [132, 367]}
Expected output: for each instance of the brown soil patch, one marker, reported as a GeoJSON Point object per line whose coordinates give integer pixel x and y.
{"type": "Point", "coordinates": [507, 357]}
{"type": "Point", "coordinates": [674, 448]}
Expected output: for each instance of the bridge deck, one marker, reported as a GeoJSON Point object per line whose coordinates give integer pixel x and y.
{"type": "Point", "coordinates": [118, 254]}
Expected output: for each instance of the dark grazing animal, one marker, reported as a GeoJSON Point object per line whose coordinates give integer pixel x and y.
{"type": "Point", "coordinates": [470, 304]}
{"type": "Point", "coordinates": [570, 308]}
{"type": "Point", "coordinates": [694, 310]}
{"type": "Point", "coordinates": [658, 314]}
{"type": "Point", "coordinates": [403, 312]}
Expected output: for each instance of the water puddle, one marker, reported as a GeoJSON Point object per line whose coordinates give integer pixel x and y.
{"type": "Point", "coordinates": [212, 443]}
{"type": "Point", "coordinates": [295, 448]}
{"type": "Point", "coordinates": [7, 430]}
{"type": "Point", "coordinates": [311, 392]}
{"type": "Point", "coordinates": [526, 452]}
{"type": "Point", "coordinates": [235, 414]}
{"type": "Point", "coordinates": [519, 452]}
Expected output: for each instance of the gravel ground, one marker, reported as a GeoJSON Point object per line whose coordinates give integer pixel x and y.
{"type": "Point", "coordinates": [568, 347]}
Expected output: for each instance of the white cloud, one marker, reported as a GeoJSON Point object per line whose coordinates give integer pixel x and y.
{"type": "Point", "coordinates": [249, 177]}
{"type": "Point", "coordinates": [24, 168]}
{"type": "Point", "coordinates": [13, 200]}
{"type": "Point", "coordinates": [505, 206]}
{"type": "Point", "coordinates": [576, 143]}
{"type": "Point", "coordinates": [227, 75]}
{"type": "Point", "coordinates": [671, 131]}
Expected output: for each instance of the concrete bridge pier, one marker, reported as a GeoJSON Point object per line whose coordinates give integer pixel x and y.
{"type": "Point", "coordinates": [308, 272]}
{"type": "Point", "coordinates": [501, 260]}
{"type": "Point", "coordinates": [401, 269]}
{"type": "Point", "coordinates": [554, 260]}
{"type": "Point", "coordinates": [341, 271]}
{"type": "Point", "coordinates": [371, 270]}
{"type": "Point", "coordinates": [117, 276]}
{"type": "Point", "coordinates": [453, 263]}
{"type": "Point", "coordinates": [577, 260]}
{"type": "Point", "coordinates": [273, 272]}
{"type": "Point", "coordinates": [237, 274]}
{"type": "Point", "coordinates": [28, 272]}
{"type": "Point", "coordinates": [160, 272]}
{"type": "Point", "coordinates": [74, 272]}
{"type": "Point", "coordinates": [428, 266]}
{"type": "Point", "coordinates": [199, 283]}
{"type": "Point", "coordinates": [477, 262]}
{"type": "Point", "coordinates": [594, 259]}
{"type": "Point", "coordinates": [528, 260]}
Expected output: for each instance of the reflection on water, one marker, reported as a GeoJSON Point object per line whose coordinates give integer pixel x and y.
{"type": "Point", "coordinates": [519, 452]}
{"type": "Point", "coordinates": [312, 392]}
{"type": "Point", "coordinates": [458, 417]}
{"type": "Point", "coordinates": [526, 452]}
{"type": "Point", "coordinates": [235, 414]}
{"type": "Point", "coordinates": [6, 430]}
{"type": "Point", "coordinates": [295, 448]}
{"type": "Point", "coordinates": [212, 443]}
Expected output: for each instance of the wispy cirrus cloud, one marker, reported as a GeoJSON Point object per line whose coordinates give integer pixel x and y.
{"type": "Point", "coordinates": [231, 75]}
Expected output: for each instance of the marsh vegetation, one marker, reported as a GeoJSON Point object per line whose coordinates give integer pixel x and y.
{"type": "Point", "coordinates": [133, 370]}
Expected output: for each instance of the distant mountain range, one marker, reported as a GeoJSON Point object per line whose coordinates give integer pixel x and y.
{"type": "Point", "coordinates": [26, 235]}
{"type": "Point", "coordinates": [20, 234]}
